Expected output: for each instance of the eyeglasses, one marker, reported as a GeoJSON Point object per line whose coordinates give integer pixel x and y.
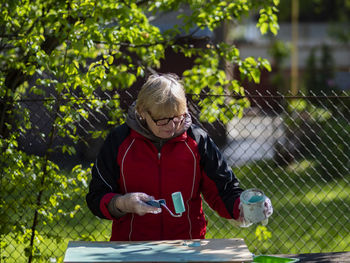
{"type": "Point", "coordinates": [165, 121]}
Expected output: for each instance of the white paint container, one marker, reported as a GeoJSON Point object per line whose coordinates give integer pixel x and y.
{"type": "Point", "coordinates": [253, 203]}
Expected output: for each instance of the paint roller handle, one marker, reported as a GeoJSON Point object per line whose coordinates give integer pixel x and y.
{"type": "Point", "coordinates": [156, 203]}
{"type": "Point", "coordinates": [136, 203]}
{"type": "Point", "coordinates": [153, 203]}
{"type": "Point", "coordinates": [177, 202]}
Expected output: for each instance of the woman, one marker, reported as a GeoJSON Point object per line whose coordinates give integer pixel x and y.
{"type": "Point", "coordinates": [157, 152]}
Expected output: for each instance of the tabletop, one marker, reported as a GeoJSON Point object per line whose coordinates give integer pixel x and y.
{"type": "Point", "coordinates": [205, 250]}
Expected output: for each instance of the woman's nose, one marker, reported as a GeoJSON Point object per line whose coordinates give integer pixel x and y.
{"type": "Point", "coordinates": [172, 124]}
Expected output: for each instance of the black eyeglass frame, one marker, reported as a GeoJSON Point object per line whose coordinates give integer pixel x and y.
{"type": "Point", "coordinates": [168, 119]}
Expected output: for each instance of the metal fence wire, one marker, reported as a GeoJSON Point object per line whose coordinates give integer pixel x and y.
{"type": "Point", "coordinates": [295, 148]}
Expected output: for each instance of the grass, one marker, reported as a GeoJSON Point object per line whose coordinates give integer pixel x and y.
{"type": "Point", "coordinates": [310, 215]}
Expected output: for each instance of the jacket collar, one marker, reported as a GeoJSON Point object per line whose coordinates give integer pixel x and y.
{"type": "Point", "coordinates": [181, 137]}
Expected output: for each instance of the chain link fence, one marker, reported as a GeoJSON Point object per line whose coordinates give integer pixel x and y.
{"type": "Point", "coordinates": [295, 148]}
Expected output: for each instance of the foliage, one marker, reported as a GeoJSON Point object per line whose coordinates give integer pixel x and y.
{"type": "Point", "coordinates": [327, 70]}
{"type": "Point", "coordinates": [320, 73]}
{"type": "Point", "coordinates": [317, 11]}
{"type": "Point", "coordinates": [279, 52]}
{"type": "Point", "coordinates": [335, 13]}
{"type": "Point", "coordinates": [310, 76]}
{"type": "Point", "coordinates": [64, 53]}
{"type": "Point", "coordinates": [262, 233]}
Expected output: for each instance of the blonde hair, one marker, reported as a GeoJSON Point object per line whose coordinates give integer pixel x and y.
{"type": "Point", "coordinates": [162, 96]}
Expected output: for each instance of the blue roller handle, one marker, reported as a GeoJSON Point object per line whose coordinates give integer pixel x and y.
{"type": "Point", "coordinates": [156, 203]}
{"type": "Point", "coordinates": [153, 203]}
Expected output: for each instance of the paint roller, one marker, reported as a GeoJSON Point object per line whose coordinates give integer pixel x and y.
{"type": "Point", "coordinates": [178, 203]}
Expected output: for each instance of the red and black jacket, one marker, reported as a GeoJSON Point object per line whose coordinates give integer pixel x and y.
{"type": "Point", "coordinates": [190, 163]}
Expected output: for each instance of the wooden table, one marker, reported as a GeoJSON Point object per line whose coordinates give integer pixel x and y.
{"type": "Point", "coordinates": [208, 250]}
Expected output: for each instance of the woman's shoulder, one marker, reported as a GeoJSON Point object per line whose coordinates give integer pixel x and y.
{"type": "Point", "coordinates": [119, 132]}
{"type": "Point", "coordinates": [196, 132]}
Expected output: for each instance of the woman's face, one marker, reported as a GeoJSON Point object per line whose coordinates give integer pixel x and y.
{"type": "Point", "coordinates": [164, 127]}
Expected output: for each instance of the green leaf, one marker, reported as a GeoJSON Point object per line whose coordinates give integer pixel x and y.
{"type": "Point", "coordinates": [251, 61]}
{"type": "Point", "coordinates": [255, 73]}
{"type": "Point", "coordinates": [110, 60]}
{"type": "Point", "coordinates": [274, 27]}
{"type": "Point", "coordinates": [76, 63]}
{"type": "Point", "coordinates": [263, 28]}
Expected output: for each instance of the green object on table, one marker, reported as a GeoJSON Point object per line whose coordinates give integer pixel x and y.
{"type": "Point", "coordinates": [273, 259]}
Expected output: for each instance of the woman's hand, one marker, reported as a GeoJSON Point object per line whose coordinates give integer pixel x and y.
{"type": "Point", "coordinates": [268, 208]}
{"type": "Point", "coordinates": [135, 203]}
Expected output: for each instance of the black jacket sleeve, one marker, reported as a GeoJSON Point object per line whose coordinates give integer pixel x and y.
{"type": "Point", "coordinates": [215, 167]}
{"type": "Point", "coordinates": [106, 172]}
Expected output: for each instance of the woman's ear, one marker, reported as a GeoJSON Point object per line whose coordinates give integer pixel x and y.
{"type": "Point", "coordinates": [142, 115]}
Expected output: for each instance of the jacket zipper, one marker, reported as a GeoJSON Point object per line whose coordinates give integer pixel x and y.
{"type": "Point", "coordinates": [160, 193]}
